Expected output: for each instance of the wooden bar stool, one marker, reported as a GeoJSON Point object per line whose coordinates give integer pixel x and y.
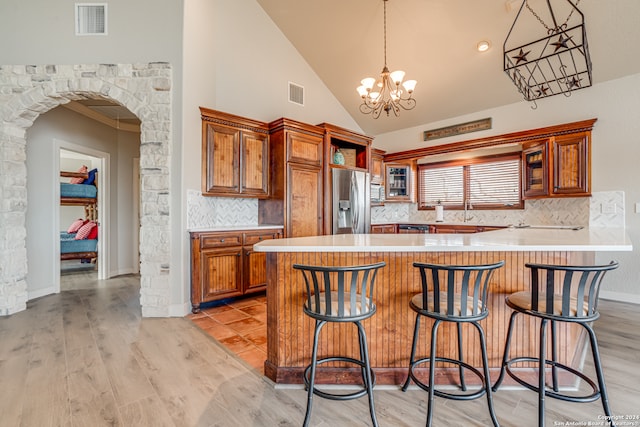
{"type": "Point", "coordinates": [458, 294]}
{"type": "Point", "coordinates": [345, 295]}
{"type": "Point", "coordinates": [559, 293]}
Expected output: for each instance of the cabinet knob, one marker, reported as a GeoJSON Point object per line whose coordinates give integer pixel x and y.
{"type": "Point", "coordinates": [248, 253]}
{"type": "Point", "coordinates": [221, 240]}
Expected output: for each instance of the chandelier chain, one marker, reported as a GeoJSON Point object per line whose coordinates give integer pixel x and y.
{"type": "Point", "coordinates": [385, 32]}
{"type": "Point", "coordinates": [550, 30]}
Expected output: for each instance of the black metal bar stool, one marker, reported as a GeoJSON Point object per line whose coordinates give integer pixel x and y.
{"type": "Point", "coordinates": [559, 293]}
{"type": "Point", "coordinates": [340, 294]}
{"type": "Point", "coordinates": [458, 294]}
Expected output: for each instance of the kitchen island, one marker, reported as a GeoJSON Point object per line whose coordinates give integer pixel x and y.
{"type": "Point", "coordinates": [389, 331]}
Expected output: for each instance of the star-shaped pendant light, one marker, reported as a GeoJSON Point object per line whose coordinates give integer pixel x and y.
{"type": "Point", "coordinates": [522, 56]}
{"type": "Point", "coordinates": [556, 59]}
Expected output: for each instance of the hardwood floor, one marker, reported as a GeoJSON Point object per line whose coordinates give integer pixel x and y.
{"type": "Point", "coordinates": [85, 357]}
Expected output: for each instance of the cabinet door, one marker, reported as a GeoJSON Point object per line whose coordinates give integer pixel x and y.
{"type": "Point", "coordinates": [304, 201]}
{"type": "Point", "coordinates": [221, 271]}
{"type": "Point", "coordinates": [377, 168]}
{"type": "Point", "coordinates": [303, 148]}
{"type": "Point", "coordinates": [571, 165]}
{"type": "Point", "coordinates": [254, 267]}
{"type": "Point", "coordinates": [255, 164]}
{"type": "Point", "coordinates": [221, 160]}
{"type": "Point", "coordinates": [535, 169]}
{"type": "Point", "coordinates": [398, 183]}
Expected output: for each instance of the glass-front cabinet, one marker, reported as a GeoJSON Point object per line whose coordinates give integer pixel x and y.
{"type": "Point", "coordinates": [398, 182]}
{"type": "Point", "coordinates": [535, 170]}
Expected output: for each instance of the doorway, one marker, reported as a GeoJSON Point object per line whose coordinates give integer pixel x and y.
{"type": "Point", "coordinates": [71, 158]}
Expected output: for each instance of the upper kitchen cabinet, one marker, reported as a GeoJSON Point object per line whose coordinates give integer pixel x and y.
{"type": "Point", "coordinates": [399, 182]}
{"type": "Point", "coordinates": [354, 147]}
{"type": "Point", "coordinates": [571, 164]}
{"type": "Point", "coordinates": [558, 166]}
{"type": "Point", "coordinates": [235, 155]}
{"type": "Point", "coordinates": [535, 170]}
{"type": "Point", "coordinates": [377, 166]}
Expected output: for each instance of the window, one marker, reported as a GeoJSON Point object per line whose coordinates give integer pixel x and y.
{"type": "Point", "coordinates": [484, 183]}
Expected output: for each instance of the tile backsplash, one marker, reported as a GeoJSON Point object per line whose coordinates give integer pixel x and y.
{"type": "Point", "coordinates": [561, 211]}
{"type": "Point", "coordinates": [605, 208]}
{"type": "Point", "coordinates": [203, 212]}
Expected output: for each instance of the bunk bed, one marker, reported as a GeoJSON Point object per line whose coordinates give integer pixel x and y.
{"type": "Point", "coordinates": [80, 241]}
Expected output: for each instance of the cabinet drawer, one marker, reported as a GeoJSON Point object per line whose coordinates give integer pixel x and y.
{"type": "Point", "coordinates": [253, 238]}
{"type": "Point", "coordinates": [220, 240]}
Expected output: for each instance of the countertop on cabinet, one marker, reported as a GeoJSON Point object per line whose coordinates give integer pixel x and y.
{"type": "Point", "coordinates": [507, 239]}
{"type": "Point", "coordinates": [471, 224]}
{"type": "Point", "coordinates": [234, 228]}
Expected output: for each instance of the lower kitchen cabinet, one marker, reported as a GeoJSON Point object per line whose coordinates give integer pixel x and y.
{"type": "Point", "coordinates": [460, 228]}
{"type": "Point", "coordinates": [224, 265]}
{"type": "Point", "coordinates": [383, 229]}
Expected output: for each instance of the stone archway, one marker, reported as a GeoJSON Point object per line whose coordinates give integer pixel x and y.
{"type": "Point", "coordinates": [29, 91]}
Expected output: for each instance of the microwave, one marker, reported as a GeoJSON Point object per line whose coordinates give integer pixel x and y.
{"type": "Point", "coordinates": [377, 193]}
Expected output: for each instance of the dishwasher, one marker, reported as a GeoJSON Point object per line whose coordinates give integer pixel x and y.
{"type": "Point", "coordinates": [412, 229]}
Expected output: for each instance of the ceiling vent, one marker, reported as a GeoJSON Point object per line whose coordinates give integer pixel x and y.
{"type": "Point", "coordinates": [296, 94]}
{"type": "Point", "coordinates": [91, 19]}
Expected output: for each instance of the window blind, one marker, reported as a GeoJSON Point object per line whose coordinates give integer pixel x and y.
{"type": "Point", "coordinates": [495, 184]}
{"type": "Point", "coordinates": [444, 185]}
{"type": "Point", "coordinates": [484, 182]}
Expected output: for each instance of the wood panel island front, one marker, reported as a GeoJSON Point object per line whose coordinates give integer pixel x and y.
{"type": "Point", "coordinates": [389, 331]}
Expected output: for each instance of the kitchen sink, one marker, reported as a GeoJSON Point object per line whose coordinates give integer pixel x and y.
{"type": "Point", "coordinates": [550, 227]}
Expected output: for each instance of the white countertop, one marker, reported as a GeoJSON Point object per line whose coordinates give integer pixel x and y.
{"type": "Point", "coordinates": [234, 228]}
{"type": "Point", "coordinates": [508, 239]}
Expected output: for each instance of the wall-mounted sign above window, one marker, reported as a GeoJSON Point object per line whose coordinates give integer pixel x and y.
{"type": "Point", "coordinates": [474, 126]}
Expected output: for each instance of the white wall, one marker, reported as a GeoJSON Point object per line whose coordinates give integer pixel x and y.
{"type": "Point", "coordinates": [140, 31]}
{"type": "Point", "coordinates": [65, 125]}
{"type": "Point", "coordinates": [236, 60]}
{"type": "Point", "coordinates": [615, 152]}
{"type": "Point", "coordinates": [126, 232]}
{"type": "Point", "coordinates": [43, 32]}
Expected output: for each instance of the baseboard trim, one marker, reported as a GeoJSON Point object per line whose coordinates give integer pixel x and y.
{"type": "Point", "coordinates": [179, 310]}
{"type": "Point", "coordinates": [620, 297]}
{"type": "Point", "coordinates": [41, 293]}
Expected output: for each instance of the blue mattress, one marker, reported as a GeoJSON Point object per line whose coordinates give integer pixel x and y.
{"type": "Point", "coordinates": [77, 190]}
{"type": "Point", "coordinates": [69, 244]}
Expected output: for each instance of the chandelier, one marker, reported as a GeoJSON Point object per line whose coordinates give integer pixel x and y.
{"type": "Point", "coordinates": [388, 93]}
{"type": "Point", "coordinates": [556, 62]}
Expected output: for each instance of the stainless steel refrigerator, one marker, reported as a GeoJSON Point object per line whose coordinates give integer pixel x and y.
{"type": "Point", "coordinates": [350, 202]}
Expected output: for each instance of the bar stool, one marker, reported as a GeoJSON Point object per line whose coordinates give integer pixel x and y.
{"type": "Point", "coordinates": [559, 293]}
{"type": "Point", "coordinates": [340, 294]}
{"type": "Point", "coordinates": [458, 294]}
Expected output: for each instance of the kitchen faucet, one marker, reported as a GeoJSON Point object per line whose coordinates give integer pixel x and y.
{"type": "Point", "coordinates": [467, 206]}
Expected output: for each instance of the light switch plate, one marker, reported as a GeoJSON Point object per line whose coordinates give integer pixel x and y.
{"type": "Point", "coordinates": [638, 207]}
{"type": "Point", "coordinates": [608, 208]}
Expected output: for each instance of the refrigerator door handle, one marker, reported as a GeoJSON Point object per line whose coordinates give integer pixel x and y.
{"type": "Point", "coordinates": [355, 212]}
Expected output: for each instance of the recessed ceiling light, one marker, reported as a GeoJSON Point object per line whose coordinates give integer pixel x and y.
{"type": "Point", "coordinates": [483, 45]}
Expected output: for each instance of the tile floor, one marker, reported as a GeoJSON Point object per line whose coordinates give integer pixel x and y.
{"type": "Point", "coordinates": [240, 325]}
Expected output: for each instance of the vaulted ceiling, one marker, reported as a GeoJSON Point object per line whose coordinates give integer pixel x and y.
{"type": "Point", "coordinates": [434, 42]}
